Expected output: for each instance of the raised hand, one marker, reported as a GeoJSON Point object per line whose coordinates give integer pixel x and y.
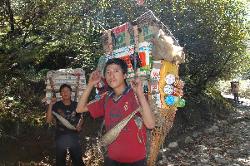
{"type": "Point", "coordinates": [136, 85]}
{"type": "Point", "coordinates": [53, 100]}
{"type": "Point", "coordinates": [95, 77]}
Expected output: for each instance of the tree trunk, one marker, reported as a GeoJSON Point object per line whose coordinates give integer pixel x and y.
{"type": "Point", "coordinates": [10, 14]}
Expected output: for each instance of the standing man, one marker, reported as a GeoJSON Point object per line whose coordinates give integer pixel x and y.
{"type": "Point", "coordinates": [66, 138]}
{"type": "Point", "coordinates": [129, 148]}
{"type": "Point", "coordinates": [235, 90]}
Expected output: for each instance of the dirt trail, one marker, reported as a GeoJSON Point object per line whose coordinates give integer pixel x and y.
{"type": "Point", "coordinates": [227, 142]}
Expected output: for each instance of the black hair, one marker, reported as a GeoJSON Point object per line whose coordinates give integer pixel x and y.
{"type": "Point", "coordinates": [65, 86]}
{"type": "Point", "coordinates": [119, 62]}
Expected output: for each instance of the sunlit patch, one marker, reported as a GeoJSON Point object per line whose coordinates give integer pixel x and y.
{"type": "Point", "coordinates": [93, 155]}
{"type": "Point", "coordinates": [244, 161]}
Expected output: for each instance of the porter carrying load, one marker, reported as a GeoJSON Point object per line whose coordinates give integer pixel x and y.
{"type": "Point", "coordinates": [152, 54]}
{"type": "Point", "coordinates": [75, 78]}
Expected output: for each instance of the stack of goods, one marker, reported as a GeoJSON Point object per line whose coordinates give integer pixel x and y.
{"type": "Point", "coordinates": [126, 42]}
{"type": "Point", "coordinates": [73, 77]}
{"type": "Point", "coordinates": [167, 91]}
{"type": "Point", "coordinates": [152, 54]}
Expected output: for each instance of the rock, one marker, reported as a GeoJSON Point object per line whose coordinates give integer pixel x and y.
{"type": "Point", "coordinates": [236, 164]}
{"type": "Point", "coordinates": [202, 148]}
{"type": "Point", "coordinates": [173, 145]}
{"type": "Point", "coordinates": [196, 134]}
{"type": "Point", "coordinates": [204, 160]}
{"type": "Point", "coordinates": [188, 140]}
{"type": "Point", "coordinates": [214, 128]}
{"type": "Point", "coordinates": [220, 159]}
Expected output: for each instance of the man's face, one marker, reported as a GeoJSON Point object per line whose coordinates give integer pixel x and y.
{"type": "Point", "coordinates": [65, 93]}
{"type": "Point", "coordinates": [114, 76]}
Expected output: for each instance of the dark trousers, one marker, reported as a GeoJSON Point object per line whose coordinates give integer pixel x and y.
{"type": "Point", "coordinates": [110, 162]}
{"type": "Point", "coordinates": [236, 97]}
{"type": "Point", "coordinates": [71, 142]}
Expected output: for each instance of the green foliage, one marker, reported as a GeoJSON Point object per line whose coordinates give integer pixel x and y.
{"type": "Point", "coordinates": [209, 106]}
{"type": "Point", "coordinates": [37, 36]}
{"type": "Point", "coordinates": [42, 36]}
{"type": "Point", "coordinates": [214, 34]}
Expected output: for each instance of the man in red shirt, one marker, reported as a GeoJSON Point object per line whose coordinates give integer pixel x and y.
{"type": "Point", "coordinates": [129, 148]}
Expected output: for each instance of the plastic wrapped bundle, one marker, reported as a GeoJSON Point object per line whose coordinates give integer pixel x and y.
{"type": "Point", "coordinates": [73, 77]}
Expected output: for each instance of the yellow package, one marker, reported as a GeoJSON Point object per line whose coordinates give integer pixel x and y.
{"type": "Point", "coordinates": [166, 69]}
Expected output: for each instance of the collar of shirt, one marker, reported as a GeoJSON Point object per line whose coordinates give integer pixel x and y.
{"type": "Point", "coordinates": [112, 94]}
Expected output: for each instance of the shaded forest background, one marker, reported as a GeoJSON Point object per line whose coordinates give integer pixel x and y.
{"type": "Point", "coordinates": [41, 35]}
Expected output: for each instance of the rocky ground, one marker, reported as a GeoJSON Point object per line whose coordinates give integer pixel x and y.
{"type": "Point", "coordinates": [226, 142]}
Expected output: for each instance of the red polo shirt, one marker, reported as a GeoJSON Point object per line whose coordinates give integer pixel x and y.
{"type": "Point", "coordinates": [126, 148]}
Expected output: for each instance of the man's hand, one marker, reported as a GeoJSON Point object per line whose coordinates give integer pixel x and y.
{"type": "Point", "coordinates": [136, 85]}
{"type": "Point", "coordinates": [95, 77]}
{"type": "Point", "coordinates": [53, 101]}
{"type": "Point", "coordinates": [79, 124]}
{"type": "Point", "coordinates": [78, 128]}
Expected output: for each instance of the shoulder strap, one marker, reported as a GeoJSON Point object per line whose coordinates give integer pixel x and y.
{"type": "Point", "coordinates": [138, 120]}
{"type": "Point", "coordinates": [106, 100]}
{"type": "Point", "coordinates": [103, 122]}
{"type": "Point", "coordinates": [77, 87]}
{"type": "Point", "coordinates": [139, 123]}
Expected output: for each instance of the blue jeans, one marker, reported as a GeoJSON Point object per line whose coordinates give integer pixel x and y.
{"type": "Point", "coordinates": [71, 142]}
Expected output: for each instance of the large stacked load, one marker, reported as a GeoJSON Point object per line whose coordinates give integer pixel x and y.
{"type": "Point", "coordinates": [73, 77]}
{"type": "Point", "coordinates": [153, 54]}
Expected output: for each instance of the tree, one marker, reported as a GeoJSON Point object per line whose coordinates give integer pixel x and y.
{"type": "Point", "coordinates": [214, 34]}
{"type": "Point", "coordinates": [37, 36]}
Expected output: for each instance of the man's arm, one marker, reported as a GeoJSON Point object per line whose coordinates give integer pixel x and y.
{"type": "Point", "coordinates": [49, 116]}
{"type": "Point", "coordinates": [79, 124]}
{"type": "Point", "coordinates": [94, 78]}
{"type": "Point", "coordinates": [147, 115]}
